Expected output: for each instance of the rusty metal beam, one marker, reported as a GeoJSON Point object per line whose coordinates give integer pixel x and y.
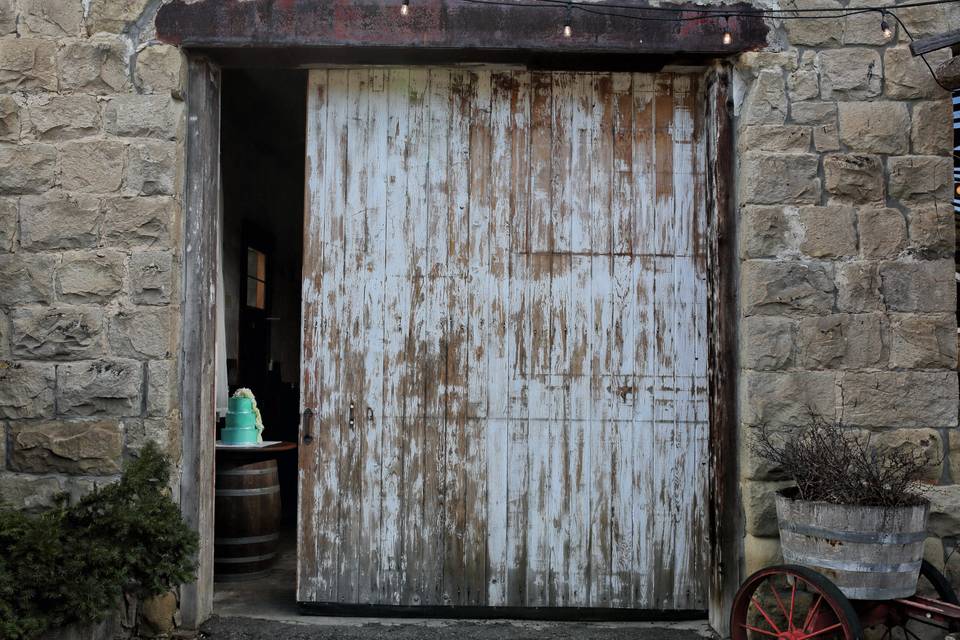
{"type": "Point", "coordinates": [448, 25]}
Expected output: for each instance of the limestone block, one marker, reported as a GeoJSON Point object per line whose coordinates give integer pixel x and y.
{"type": "Point", "coordinates": [113, 16]}
{"type": "Point", "coordinates": [786, 288]}
{"type": "Point", "coordinates": [8, 17]}
{"type": "Point", "coordinates": [779, 178]}
{"type": "Point", "coordinates": [925, 286]}
{"type": "Point", "coordinates": [753, 62]}
{"type": "Point", "coordinates": [90, 276]}
{"type": "Point", "coordinates": [766, 101]}
{"type": "Point", "coordinates": [151, 168]}
{"type": "Point", "coordinates": [826, 137]}
{"type": "Point", "coordinates": [774, 137]}
{"type": "Point", "coordinates": [814, 33]}
{"type": "Point", "coordinates": [933, 553]}
{"type": "Point", "coordinates": [63, 117]}
{"type": "Point", "coordinates": [4, 353]}
{"type": "Point", "coordinates": [753, 466]}
{"type": "Point", "coordinates": [864, 28]}
{"type": "Point", "coordinates": [804, 82]}
{"type": "Point", "coordinates": [828, 231]}
{"type": "Point", "coordinates": [9, 119]}
{"type": "Point", "coordinates": [900, 399]}
{"type": "Point", "coordinates": [875, 127]}
{"type": "Point", "coordinates": [932, 130]}
{"type": "Point", "coordinates": [9, 214]}
{"type": "Point", "coordinates": [814, 113]}
{"type": "Point", "coordinates": [28, 64]}
{"type": "Point", "coordinates": [29, 168]}
{"type": "Point", "coordinates": [26, 278]}
{"type": "Point", "coordinates": [929, 20]}
{"type": "Point", "coordinates": [925, 442]}
{"type": "Point", "coordinates": [759, 553]}
{"type": "Point", "coordinates": [56, 19]}
{"type": "Point", "coordinates": [858, 287]}
{"type": "Point", "coordinates": [759, 506]}
{"type": "Point", "coordinates": [161, 378]}
{"type": "Point", "coordinates": [926, 341]}
{"type": "Point", "coordinates": [768, 342]}
{"type": "Point", "coordinates": [944, 500]}
{"type": "Point", "coordinates": [97, 65]}
{"type": "Point", "coordinates": [164, 432]}
{"type": "Point", "coordinates": [146, 116]}
{"type": "Point", "coordinates": [842, 341]}
{"type": "Point", "coordinates": [954, 454]}
{"type": "Point", "coordinates": [59, 220]}
{"type": "Point", "coordinates": [920, 178]}
{"type": "Point", "coordinates": [152, 277]}
{"type": "Point", "coordinates": [883, 232]}
{"type": "Point", "coordinates": [932, 229]}
{"type": "Point", "coordinates": [850, 73]}
{"type": "Point", "coordinates": [80, 447]}
{"type": "Point", "coordinates": [92, 166]}
{"type": "Point", "coordinates": [784, 399]}
{"type": "Point", "coordinates": [106, 387]}
{"type": "Point", "coordinates": [137, 221]}
{"type": "Point", "coordinates": [854, 177]}
{"type": "Point", "coordinates": [59, 332]}
{"type": "Point", "coordinates": [28, 492]}
{"type": "Point", "coordinates": [159, 68]}
{"type": "Point", "coordinates": [142, 332]}
{"type": "Point", "coordinates": [907, 77]}
{"type": "Point", "coordinates": [26, 389]}
{"type": "Point", "coordinates": [767, 232]}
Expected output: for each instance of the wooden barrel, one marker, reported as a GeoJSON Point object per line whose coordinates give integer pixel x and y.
{"type": "Point", "coordinates": [247, 519]}
{"type": "Point", "coordinates": [870, 553]}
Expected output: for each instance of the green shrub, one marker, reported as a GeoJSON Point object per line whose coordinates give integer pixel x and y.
{"type": "Point", "coordinates": [72, 563]}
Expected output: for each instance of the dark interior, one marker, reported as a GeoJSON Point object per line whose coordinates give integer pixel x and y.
{"type": "Point", "coordinates": [263, 132]}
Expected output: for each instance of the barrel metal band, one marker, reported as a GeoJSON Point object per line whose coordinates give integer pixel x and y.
{"type": "Point", "coordinates": [270, 537]}
{"type": "Point", "coordinates": [231, 493]}
{"type": "Point", "coordinates": [855, 536]}
{"type": "Point", "coordinates": [856, 567]}
{"type": "Point", "coordinates": [245, 559]}
{"type": "Point", "coordinates": [246, 472]}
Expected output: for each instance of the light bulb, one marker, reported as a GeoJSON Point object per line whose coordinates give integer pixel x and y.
{"type": "Point", "coordinates": [567, 30]}
{"type": "Point", "coordinates": [405, 7]}
{"type": "Point", "coordinates": [885, 28]}
{"type": "Point", "coordinates": [727, 37]}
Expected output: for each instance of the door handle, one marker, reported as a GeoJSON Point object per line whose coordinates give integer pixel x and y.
{"type": "Point", "coordinates": [307, 425]}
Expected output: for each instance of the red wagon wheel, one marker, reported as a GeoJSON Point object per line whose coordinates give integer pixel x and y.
{"type": "Point", "coordinates": [788, 602]}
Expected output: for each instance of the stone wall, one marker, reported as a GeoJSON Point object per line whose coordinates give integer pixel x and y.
{"type": "Point", "coordinates": [91, 123]}
{"type": "Point", "coordinates": [848, 301]}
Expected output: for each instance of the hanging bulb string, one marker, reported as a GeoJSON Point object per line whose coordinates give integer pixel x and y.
{"type": "Point", "coordinates": [922, 56]}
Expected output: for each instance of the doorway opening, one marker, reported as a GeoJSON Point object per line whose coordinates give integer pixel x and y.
{"type": "Point", "coordinates": [262, 151]}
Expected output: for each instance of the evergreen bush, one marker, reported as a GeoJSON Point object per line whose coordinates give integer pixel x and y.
{"type": "Point", "coordinates": [72, 563]}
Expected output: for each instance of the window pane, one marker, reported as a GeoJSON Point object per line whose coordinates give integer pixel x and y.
{"type": "Point", "coordinates": [256, 264]}
{"type": "Point", "coordinates": [261, 295]}
{"type": "Point", "coordinates": [256, 293]}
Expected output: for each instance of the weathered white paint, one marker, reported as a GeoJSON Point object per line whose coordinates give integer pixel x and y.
{"type": "Point", "coordinates": [504, 340]}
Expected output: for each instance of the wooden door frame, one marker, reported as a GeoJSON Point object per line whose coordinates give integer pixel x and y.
{"type": "Point", "coordinates": [200, 264]}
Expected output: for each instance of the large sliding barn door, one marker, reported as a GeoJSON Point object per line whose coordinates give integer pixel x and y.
{"type": "Point", "coordinates": [504, 340]}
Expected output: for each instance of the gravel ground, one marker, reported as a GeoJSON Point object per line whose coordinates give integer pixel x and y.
{"type": "Point", "coordinates": [236, 628]}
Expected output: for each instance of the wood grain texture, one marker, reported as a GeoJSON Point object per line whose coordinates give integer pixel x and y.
{"type": "Point", "coordinates": [505, 340]}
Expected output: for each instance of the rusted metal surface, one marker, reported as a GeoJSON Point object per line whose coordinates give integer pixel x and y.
{"type": "Point", "coordinates": [447, 25]}
{"type": "Point", "coordinates": [505, 340]}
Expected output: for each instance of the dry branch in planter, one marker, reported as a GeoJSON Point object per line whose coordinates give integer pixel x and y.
{"type": "Point", "coordinates": [832, 463]}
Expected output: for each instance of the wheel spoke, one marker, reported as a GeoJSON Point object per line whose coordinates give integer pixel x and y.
{"type": "Point", "coordinates": [812, 612]}
{"type": "Point", "coordinates": [783, 609]}
{"type": "Point", "coordinates": [793, 599]}
{"type": "Point", "coordinates": [824, 630]}
{"type": "Point", "coordinates": [764, 614]}
{"type": "Point", "coordinates": [888, 633]}
{"type": "Point", "coordinates": [763, 631]}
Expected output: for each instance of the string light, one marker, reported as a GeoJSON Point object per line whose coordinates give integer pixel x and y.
{"type": "Point", "coordinates": [405, 7]}
{"type": "Point", "coordinates": [885, 26]}
{"type": "Point", "coordinates": [727, 36]}
{"type": "Point", "coordinates": [567, 28]}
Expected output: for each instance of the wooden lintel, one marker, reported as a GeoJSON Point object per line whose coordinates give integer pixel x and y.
{"type": "Point", "coordinates": [446, 25]}
{"type": "Point", "coordinates": [932, 43]}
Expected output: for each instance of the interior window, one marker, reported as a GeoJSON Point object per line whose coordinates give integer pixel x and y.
{"type": "Point", "coordinates": [256, 279]}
